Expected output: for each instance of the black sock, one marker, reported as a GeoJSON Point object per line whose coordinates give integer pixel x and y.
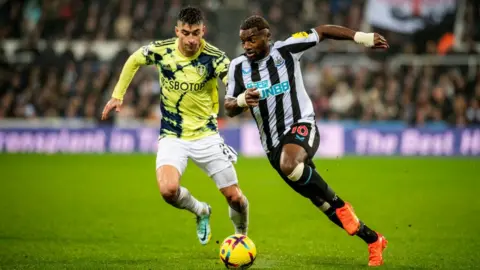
{"type": "Point", "coordinates": [367, 234]}
{"type": "Point", "coordinates": [327, 210]}
{"type": "Point", "coordinates": [315, 183]}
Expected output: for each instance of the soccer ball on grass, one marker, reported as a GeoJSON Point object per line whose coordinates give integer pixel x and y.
{"type": "Point", "coordinates": [238, 252]}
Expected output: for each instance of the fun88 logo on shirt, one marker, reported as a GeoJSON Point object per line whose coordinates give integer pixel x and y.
{"type": "Point", "coordinates": [266, 91]}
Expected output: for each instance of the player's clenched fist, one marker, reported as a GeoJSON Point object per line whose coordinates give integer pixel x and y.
{"type": "Point", "coordinates": [112, 103]}
{"type": "Point", "coordinates": [252, 96]}
{"type": "Point", "coordinates": [248, 98]}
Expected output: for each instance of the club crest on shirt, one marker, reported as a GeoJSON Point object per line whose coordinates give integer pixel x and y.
{"type": "Point", "coordinates": [201, 69]}
{"type": "Point", "coordinates": [278, 61]}
{"type": "Point", "coordinates": [300, 35]}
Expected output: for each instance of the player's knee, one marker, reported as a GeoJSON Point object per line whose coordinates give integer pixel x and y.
{"type": "Point", "coordinates": [288, 165]}
{"type": "Point", "coordinates": [235, 197]}
{"type": "Point", "coordinates": [168, 189]}
{"type": "Point", "coordinates": [294, 171]}
{"type": "Point", "coordinates": [232, 194]}
{"type": "Point", "coordinates": [169, 192]}
{"type": "Point", "coordinates": [168, 182]}
{"type": "Point", "coordinates": [291, 161]}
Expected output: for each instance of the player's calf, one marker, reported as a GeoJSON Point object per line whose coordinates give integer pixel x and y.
{"type": "Point", "coordinates": [235, 198]}
{"type": "Point", "coordinates": [170, 193]}
{"type": "Point", "coordinates": [301, 174]}
{"type": "Point", "coordinates": [238, 203]}
{"type": "Point", "coordinates": [317, 187]}
{"type": "Point", "coordinates": [168, 179]}
{"type": "Point", "coordinates": [293, 166]}
{"type": "Point", "coordinates": [238, 212]}
{"type": "Point", "coordinates": [306, 176]}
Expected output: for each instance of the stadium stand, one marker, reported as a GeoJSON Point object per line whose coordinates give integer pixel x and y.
{"type": "Point", "coordinates": [44, 81]}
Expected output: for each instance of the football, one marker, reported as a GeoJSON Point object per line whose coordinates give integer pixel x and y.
{"type": "Point", "coordinates": [238, 252]}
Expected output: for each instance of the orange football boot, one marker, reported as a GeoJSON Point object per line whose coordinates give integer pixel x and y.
{"type": "Point", "coordinates": [349, 220]}
{"type": "Point", "coordinates": [375, 250]}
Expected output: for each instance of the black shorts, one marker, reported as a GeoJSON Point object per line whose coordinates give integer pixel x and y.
{"type": "Point", "coordinates": [303, 134]}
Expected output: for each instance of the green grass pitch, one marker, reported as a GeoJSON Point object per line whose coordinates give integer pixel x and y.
{"type": "Point", "coordinates": [105, 211]}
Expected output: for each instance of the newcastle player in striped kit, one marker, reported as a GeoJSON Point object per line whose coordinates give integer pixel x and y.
{"type": "Point", "coordinates": [267, 80]}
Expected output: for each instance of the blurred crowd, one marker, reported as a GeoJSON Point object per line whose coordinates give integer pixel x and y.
{"type": "Point", "coordinates": [95, 19]}
{"type": "Point", "coordinates": [46, 83]}
{"type": "Point", "coordinates": [416, 95]}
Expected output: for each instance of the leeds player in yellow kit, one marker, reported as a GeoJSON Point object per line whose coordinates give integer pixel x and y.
{"type": "Point", "coordinates": [188, 68]}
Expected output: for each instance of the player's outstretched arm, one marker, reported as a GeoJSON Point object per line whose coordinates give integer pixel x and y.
{"type": "Point", "coordinates": [235, 106]}
{"type": "Point", "coordinates": [372, 40]}
{"type": "Point", "coordinates": [133, 63]}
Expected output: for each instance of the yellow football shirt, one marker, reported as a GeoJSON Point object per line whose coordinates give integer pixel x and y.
{"type": "Point", "coordinates": [189, 88]}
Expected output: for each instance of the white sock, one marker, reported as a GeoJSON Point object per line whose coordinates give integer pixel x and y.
{"type": "Point", "coordinates": [240, 218]}
{"type": "Point", "coordinates": [185, 200]}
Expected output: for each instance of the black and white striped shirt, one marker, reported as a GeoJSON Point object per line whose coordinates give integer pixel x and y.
{"type": "Point", "coordinates": [278, 77]}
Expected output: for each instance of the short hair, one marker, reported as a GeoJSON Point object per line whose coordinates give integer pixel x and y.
{"type": "Point", "coordinates": [255, 21]}
{"type": "Point", "coordinates": [190, 15]}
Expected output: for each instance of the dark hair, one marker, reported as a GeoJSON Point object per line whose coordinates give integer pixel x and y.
{"type": "Point", "coordinates": [190, 15]}
{"type": "Point", "coordinates": [255, 21]}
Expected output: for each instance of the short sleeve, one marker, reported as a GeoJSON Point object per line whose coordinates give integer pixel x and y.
{"type": "Point", "coordinates": [299, 42]}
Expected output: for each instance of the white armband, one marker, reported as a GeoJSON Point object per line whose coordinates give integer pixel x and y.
{"type": "Point", "coordinates": [367, 39]}
{"type": "Point", "coordinates": [241, 101]}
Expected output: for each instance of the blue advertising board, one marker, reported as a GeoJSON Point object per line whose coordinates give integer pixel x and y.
{"type": "Point", "coordinates": [336, 140]}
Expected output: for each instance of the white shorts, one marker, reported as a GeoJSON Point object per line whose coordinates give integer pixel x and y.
{"type": "Point", "coordinates": [211, 154]}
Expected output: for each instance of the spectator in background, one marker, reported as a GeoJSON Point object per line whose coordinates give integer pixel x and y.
{"type": "Point", "coordinates": [123, 23]}
{"type": "Point", "coordinates": [27, 55]}
{"type": "Point", "coordinates": [442, 106]}
{"type": "Point", "coordinates": [341, 101]}
{"type": "Point", "coordinates": [473, 112]}
{"type": "Point", "coordinates": [460, 109]}
{"type": "Point", "coordinates": [32, 13]}
{"type": "Point", "coordinates": [391, 109]}
{"type": "Point", "coordinates": [47, 58]}
{"type": "Point", "coordinates": [90, 56]}
{"type": "Point", "coordinates": [312, 79]}
{"type": "Point", "coordinates": [371, 100]}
